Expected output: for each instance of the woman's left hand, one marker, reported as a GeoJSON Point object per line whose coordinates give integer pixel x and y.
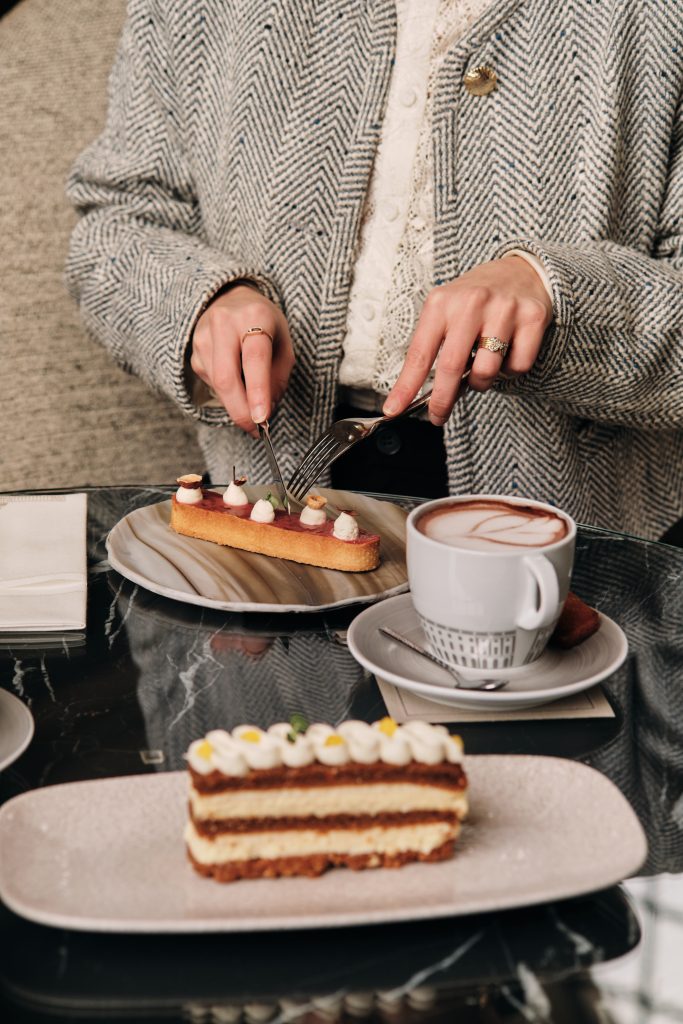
{"type": "Point", "coordinates": [504, 299]}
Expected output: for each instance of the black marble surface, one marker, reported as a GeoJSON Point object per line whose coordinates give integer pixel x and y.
{"type": "Point", "coordinates": [151, 674]}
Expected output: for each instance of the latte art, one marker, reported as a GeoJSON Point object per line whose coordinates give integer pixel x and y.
{"type": "Point", "coordinates": [492, 525]}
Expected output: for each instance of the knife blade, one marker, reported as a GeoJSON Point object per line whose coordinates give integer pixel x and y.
{"type": "Point", "coordinates": [279, 484]}
{"type": "Point", "coordinates": [285, 496]}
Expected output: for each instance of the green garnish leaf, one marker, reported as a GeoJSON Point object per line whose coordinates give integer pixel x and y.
{"type": "Point", "coordinates": [299, 724]}
{"type": "Point", "coordinates": [273, 499]}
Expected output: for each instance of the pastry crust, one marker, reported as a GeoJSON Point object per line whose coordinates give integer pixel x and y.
{"type": "Point", "coordinates": [231, 526]}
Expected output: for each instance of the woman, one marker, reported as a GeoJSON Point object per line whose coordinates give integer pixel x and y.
{"type": "Point", "coordinates": [284, 193]}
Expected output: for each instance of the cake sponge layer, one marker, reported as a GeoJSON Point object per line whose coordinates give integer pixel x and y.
{"type": "Point", "coordinates": [417, 840]}
{"type": "Point", "coordinates": [324, 801]}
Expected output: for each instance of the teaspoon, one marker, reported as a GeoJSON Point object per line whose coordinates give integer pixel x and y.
{"type": "Point", "coordinates": [460, 683]}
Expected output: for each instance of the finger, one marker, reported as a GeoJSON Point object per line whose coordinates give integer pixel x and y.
{"type": "Point", "coordinates": [257, 361]}
{"type": "Point", "coordinates": [420, 355]}
{"type": "Point", "coordinates": [454, 360]}
{"type": "Point", "coordinates": [248, 644]}
{"type": "Point", "coordinates": [487, 364]}
{"type": "Point", "coordinates": [524, 350]}
{"type": "Point", "coordinates": [197, 367]}
{"type": "Point", "coordinates": [226, 381]}
{"type": "Point", "coordinates": [200, 356]}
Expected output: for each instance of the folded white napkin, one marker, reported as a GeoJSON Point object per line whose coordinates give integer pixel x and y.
{"type": "Point", "coordinates": [42, 562]}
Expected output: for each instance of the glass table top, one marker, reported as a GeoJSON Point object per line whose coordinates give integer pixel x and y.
{"type": "Point", "coordinates": [150, 674]}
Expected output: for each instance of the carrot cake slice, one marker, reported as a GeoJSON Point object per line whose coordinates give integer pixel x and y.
{"type": "Point", "coordinates": [299, 799]}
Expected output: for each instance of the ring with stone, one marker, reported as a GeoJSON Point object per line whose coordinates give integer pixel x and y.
{"type": "Point", "coordinates": [256, 330]}
{"type": "Point", "coordinates": [493, 344]}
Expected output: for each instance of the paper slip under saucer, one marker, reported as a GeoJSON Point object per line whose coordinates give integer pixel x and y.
{"type": "Point", "coordinates": [556, 674]}
{"type": "Point", "coordinates": [408, 707]}
{"type": "Point", "coordinates": [43, 575]}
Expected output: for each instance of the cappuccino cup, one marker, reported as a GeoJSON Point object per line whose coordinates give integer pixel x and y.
{"type": "Point", "coordinates": [488, 576]}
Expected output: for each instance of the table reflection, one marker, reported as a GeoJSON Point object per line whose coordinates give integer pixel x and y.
{"type": "Point", "coordinates": [153, 674]}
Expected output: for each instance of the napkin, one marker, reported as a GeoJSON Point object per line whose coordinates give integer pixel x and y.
{"type": "Point", "coordinates": [42, 562]}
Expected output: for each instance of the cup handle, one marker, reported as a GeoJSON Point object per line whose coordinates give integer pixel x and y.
{"type": "Point", "coordinates": [548, 592]}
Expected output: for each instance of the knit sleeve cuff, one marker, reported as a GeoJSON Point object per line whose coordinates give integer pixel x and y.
{"type": "Point", "coordinates": [192, 394]}
{"type": "Point", "coordinates": [534, 262]}
{"type": "Point", "coordinates": [557, 279]}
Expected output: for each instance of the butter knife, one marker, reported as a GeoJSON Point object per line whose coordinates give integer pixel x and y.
{"type": "Point", "coordinates": [283, 495]}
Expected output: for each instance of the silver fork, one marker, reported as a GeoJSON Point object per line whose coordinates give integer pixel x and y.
{"type": "Point", "coordinates": [337, 440]}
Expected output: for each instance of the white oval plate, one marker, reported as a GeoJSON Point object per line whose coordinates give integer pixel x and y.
{"type": "Point", "coordinates": [557, 673]}
{"type": "Point", "coordinates": [16, 728]}
{"type": "Point", "coordinates": [109, 856]}
{"type": "Point", "coordinates": [143, 548]}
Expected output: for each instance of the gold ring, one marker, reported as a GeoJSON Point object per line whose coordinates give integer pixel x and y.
{"type": "Point", "coordinates": [495, 345]}
{"type": "Point", "coordinates": [256, 330]}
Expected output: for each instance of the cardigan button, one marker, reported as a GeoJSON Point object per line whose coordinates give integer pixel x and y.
{"type": "Point", "coordinates": [388, 441]}
{"type": "Point", "coordinates": [408, 97]}
{"type": "Point", "coordinates": [481, 80]}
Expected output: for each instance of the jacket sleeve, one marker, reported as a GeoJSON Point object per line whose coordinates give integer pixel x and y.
{"type": "Point", "coordinates": [615, 351]}
{"type": "Point", "coordinates": [138, 265]}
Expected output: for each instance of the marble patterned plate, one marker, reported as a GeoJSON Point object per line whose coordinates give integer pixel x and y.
{"type": "Point", "coordinates": [16, 728]}
{"type": "Point", "coordinates": [108, 856]}
{"type": "Point", "coordinates": [557, 673]}
{"type": "Point", "coordinates": [144, 549]}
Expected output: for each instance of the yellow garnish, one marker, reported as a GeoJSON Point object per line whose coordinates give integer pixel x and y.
{"type": "Point", "coordinates": [388, 726]}
{"type": "Point", "coordinates": [251, 736]}
{"type": "Point", "coordinates": [457, 740]}
{"type": "Point", "coordinates": [204, 750]}
{"type": "Point", "coordinates": [334, 740]}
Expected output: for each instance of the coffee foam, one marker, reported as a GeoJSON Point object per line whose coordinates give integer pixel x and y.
{"type": "Point", "coordinates": [492, 525]}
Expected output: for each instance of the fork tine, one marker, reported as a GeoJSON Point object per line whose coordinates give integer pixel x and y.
{"type": "Point", "coordinates": [319, 450]}
{"type": "Point", "coordinates": [301, 483]}
{"type": "Point", "coordinates": [305, 484]}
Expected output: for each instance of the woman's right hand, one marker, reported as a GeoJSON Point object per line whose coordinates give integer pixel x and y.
{"type": "Point", "coordinates": [248, 375]}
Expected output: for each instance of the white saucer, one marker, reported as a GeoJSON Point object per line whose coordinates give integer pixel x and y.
{"type": "Point", "coordinates": [557, 673]}
{"type": "Point", "coordinates": [16, 728]}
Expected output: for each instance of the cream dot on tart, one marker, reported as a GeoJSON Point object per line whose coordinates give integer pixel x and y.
{"type": "Point", "coordinates": [285, 537]}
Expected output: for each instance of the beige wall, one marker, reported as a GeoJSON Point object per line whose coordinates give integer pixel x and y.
{"type": "Point", "coordinates": [68, 415]}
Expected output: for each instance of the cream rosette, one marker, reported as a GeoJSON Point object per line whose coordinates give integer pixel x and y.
{"type": "Point", "coordinates": [250, 748]}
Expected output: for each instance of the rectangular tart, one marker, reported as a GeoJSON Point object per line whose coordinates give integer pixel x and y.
{"type": "Point", "coordinates": [285, 537]}
{"type": "Point", "coordinates": [268, 804]}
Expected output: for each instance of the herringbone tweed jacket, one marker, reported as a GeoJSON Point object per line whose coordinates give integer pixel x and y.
{"type": "Point", "coordinates": [240, 141]}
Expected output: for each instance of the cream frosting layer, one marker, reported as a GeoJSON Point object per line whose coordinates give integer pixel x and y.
{"type": "Point", "coordinates": [189, 495]}
{"type": "Point", "coordinates": [313, 516]}
{"type": "Point", "coordinates": [325, 801]}
{"type": "Point", "coordinates": [247, 747]}
{"type": "Point", "coordinates": [262, 511]}
{"type": "Point", "coordinates": [235, 495]}
{"type": "Point", "coordinates": [345, 527]}
{"type": "Point", "coordinates": [308, 842]}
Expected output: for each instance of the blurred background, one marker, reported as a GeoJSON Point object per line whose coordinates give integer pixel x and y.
{"type": "Point", "coordinates": [68, 415]}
